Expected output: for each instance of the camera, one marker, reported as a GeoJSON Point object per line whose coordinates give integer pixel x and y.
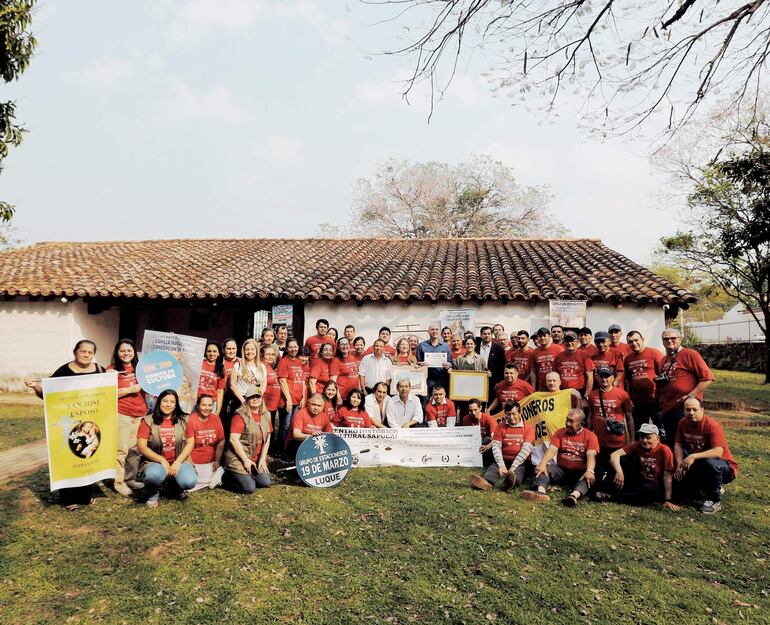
{"type": "Point", "coordinates": [662, 379]}
{"type": "Point", "coordinates": [614, 426]}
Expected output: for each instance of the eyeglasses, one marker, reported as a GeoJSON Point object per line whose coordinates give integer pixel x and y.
{"type": "Point", "coordinates": [671, 338]}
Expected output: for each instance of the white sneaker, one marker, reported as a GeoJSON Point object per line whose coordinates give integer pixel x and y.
{"type": "Point", "coordinates": [710, 507]}
{"type": "Point", "coordinates": [216, 479]}
{"type": "Point", "coordinates": [122, 489]}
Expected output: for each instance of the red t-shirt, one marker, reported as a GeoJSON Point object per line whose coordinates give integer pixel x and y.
{"type": "Point", "coordinates": [167, 437]}
{"type": "Point", "coordinates": [272, 393]}
{"type": "Point", "coordinates": [622, 348]}
{"type": "Point", "coordinates": [652, 463]}
{"type": "Point", "coordinates": [520, 358]}
{"type": "Point", "coordinates": [513, 437]}
{"type": "Point", "coordinates": [303, 420]}
{"type": "Point", "coordinates": [611, 359]}
{"type": "Point", "coordinates": [294, 372]}
{"type": "Point", "coordinates": [573, 450]}
{"type": "Point", "coordinates": [515, 391]}
{"type": "Point", "coordinates": [573, 368]}
{"type": "Point", "coordinates": [687, 370]}
{"type": "Point", "coordinates": [616, 404]}
{"type": "Point", "coordinates": [315, 342]}
{"type": "Point", "coordinates": [346, 370]}
{"type": "Point", "coordinates": [456, 354]}
{"type": "Point", "coordinates": [541, 362]}
{"type": "Point", "coordinates": [206, 434]}
{"type": "Point", "coordinates": [237, 425]}
{"type": "Point", "coordinates": [322, 372]}
{"type": "Point", "coordinates": [209, 382]}
{"type": "Point", "coordinates": [641, 370]}
{"type": "Point", "coordinates": [331, 412]}
{"type": "Point", "coordinates": [440, 412]}
{"type": "Point", "coordinates": [487, 423]}
{"type": "Point", "coordinates": [229, 364]}
{"type": "Point", "coordinates": [706, 434]}
{"type": "Point", "coordinates": [589, 349]}
{"type": "Point", "coordinates": [353, 418]}
{"type": "Point", "coordinates": [133, 405]}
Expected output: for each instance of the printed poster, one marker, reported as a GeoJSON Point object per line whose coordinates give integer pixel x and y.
{"type": "Point", "coordinates": [283, 315]}
{"type": "Point", "coordinates": [567, 313]}
{"type": "Point", "coordinates": [189, 351]}
{"type": "Point", "coordinates": [459, 320]}
{"type": "Point", "coordinates": [81, 418]}
{"type": "Point", "coordinates": [413, 447]}
{"type": "Point", "coordinates": [417, 376]}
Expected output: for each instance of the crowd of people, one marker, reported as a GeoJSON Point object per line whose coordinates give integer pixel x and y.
{"type": "Point", "coordinates": [636, 432]}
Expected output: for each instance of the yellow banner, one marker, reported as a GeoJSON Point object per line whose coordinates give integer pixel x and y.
{"type": "Point", "coordinates": [81, 417]}
{"type": "Point", "coordinates": [547, 411]}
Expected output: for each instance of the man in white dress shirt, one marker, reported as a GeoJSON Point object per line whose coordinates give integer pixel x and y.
{"type": "Point", "coordinates": [375, 367]}
{"type": "Point", "coordinates": [404, 410]}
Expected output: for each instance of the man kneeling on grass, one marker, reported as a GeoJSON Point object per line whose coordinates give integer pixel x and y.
{"type": "Point", "coordinates": [575, 449]}
{"type": "Point", "coordinates": [641, 472]}
{"type": "Point", "coordinates": [511, 446]}
{"type": "Point", "coordinates": [703, 459]}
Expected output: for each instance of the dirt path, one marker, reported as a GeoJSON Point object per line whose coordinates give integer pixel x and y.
{"type": "Point", "coordinates": [23, 459]}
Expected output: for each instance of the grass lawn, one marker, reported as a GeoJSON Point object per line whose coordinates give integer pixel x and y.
{"type": "Point", "coordinates": [20, 423]}
{"type": "Point", "coordinates": [739, 386]}
{"type": "Point", "coordinates": [388, 546]}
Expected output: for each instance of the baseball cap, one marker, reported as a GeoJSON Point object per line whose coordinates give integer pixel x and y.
{"type": "Point", "coordinates": [252, 391]}
{"type": "Point", "coordinates": [648, 428]}
{"type": "Point", "coordinates": [570, 335]}
{"type": "Point", "coordinates": [584, 330]}
{"type": "Point", "coordinates": [604, 371]}
{"type": "Point", "coordinates": [543, 331]}
{"type": "Point", "coordinates": [601, 334]}
{"type": "Point", "coordinates": [614, 328]}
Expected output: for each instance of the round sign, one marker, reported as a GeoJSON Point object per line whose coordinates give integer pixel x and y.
{"type": "Point", "coordinates": [158, 371]}
{"type": "Point", "coordinates": [323, 460]}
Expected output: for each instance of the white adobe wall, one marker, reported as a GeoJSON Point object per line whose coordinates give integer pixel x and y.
{"type": "Point", "coordinates": [414, 318]}
{"type": "Point", "coordinates": [37, 337]}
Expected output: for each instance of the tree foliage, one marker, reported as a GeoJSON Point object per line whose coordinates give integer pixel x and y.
{"type": "Point", "coordinates": [629, 60]}
{"type": "Point", "coordinates": [479, 198]}
{"type": "Point", "coordinates": [16, 47]}
{"type": "Point", "coordinates": [728, 233]}
{"type": "Point", "coordinates": [713, 301]}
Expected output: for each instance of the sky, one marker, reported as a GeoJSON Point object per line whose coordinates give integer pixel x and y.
{"type": "Point", "coordinates": [254, 118]}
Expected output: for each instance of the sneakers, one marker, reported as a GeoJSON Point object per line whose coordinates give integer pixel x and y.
{"type": "Point", "coordinates": [570, 501]}
{"type": "Point", "coordinates": [479, 483]}
{"type": "Point", "coordinates": [710, 507]}
{"type": "Point", "coordinates": [122, 489]}
{"type": "Point", "coordinates": [134, 485]}
{"type": "Point", "coordinates": [152, 502]}
{"type": "Point", "coordinates": [216, 479]}
{"type": "Point", "coordinates": [533, 495]}
{"type": "Point", "coordinates": [600, 496]}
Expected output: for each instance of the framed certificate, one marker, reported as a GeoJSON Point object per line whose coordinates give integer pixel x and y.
{"type": "Point", "coordinates": [435, 359]}
{"type": "Point", "coordinates": [466, 385]}
{"type": "Point", "coordinates": [417, 376]}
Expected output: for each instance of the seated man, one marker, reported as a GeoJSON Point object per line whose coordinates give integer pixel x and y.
{"type": "Point", "coordinates": [310, 421]}
{"type": "Point", "coordinates": [440, 411]}
{"type": "Point", "coordinates": [403, 410]}
{"type": "Point", "coordinates": [641, 472]}
{"type": "Point", "coordinates": [702, 458]}
{"type": "Point", "coordinates": [488, 425]}
{"type": "Point", "coordinates": [511, 446]}
{"type": "Point", "coordinates": [575, 449]}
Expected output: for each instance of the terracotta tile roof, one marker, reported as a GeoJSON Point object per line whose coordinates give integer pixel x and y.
{"type": "Point", "coordinates": [337, 270]}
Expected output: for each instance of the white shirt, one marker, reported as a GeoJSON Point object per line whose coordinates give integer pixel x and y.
{"type": "Point", "coordinates": [484, 352]}
{"type": "Point", "coordinates": [372, 408]}
{"type": "Point", "coordinates": [375, 370]}
{"type": "Point", "coordinates": [399, 413]}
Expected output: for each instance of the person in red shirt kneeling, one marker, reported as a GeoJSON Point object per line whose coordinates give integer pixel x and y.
{"type": "Point", "coordinates": [488, 425]}
{"type": "Point", "coordinates": [245, 460]}
{"type": "Point", "coordinates": [440, 411]}
{"type": "Point", "coordinates": [511, 445]}
{"type": "Point", "coordinates": [308, 422]}
{"type": "Point", "coordinates": [352, 413]}
{"type": "Point", "coordinates": [575, 449]}
{"type": "Point", "coordinates": [205, 428]}
{"type": "Point", "coordinates": [703, 459]}
{"type": "Point", "coordinates": [641, 473]}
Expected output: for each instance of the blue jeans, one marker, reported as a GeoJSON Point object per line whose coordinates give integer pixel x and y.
{"type": "Point", "coordinates": [284, 424]}
{"type": "Point", "coordinates": [243, 483]}
{"type": "Point", "coordinates": [708, 476]}
{"type": "Point", "coordinates": [155, 476]}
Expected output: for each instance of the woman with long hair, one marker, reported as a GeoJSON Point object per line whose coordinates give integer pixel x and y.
{"type": "Point", "coordinates": [344, 369]}
{"type": "Point", "coordinates": [163, 441]}
{"type": "Point", "coordinates": [320, 372]}
{"type": "Point", "coordinates": [132, 406]}
{"type": "Point", "coordinates": [248, 372]}
{"type": "Point", "coordinates": [205, 428]}
{"type": "Point", "coordinates": [245, 460]}
{"type": "Point", "coordinates": [271, 396]}
{"type": "Point", "coordinates": [212, 378]}
{"type": "Point", "coordinates": [352, 413]}
{"type": "Point", "coordinates": [81, 364]}
{"type": "Point", "coordinates": [331, 398]}
{"type": "Point", "coordinates": [404, 353]}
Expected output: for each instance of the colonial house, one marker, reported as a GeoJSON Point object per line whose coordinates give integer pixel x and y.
{"type": "Point", "coordinates": [52, 294]}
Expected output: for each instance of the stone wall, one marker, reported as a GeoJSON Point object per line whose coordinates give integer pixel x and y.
{"type": "Point", "coordinates": [735, 356]}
